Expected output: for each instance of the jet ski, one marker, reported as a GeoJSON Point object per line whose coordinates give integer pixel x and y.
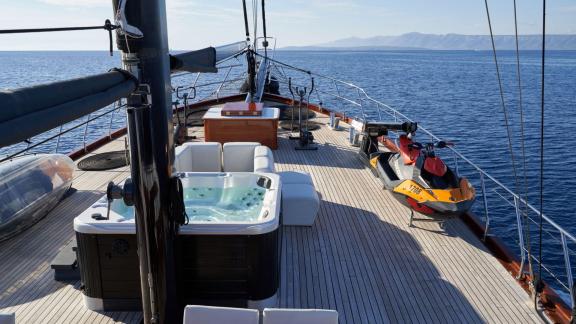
{"type": "Point", "coordinates": [413, 173]}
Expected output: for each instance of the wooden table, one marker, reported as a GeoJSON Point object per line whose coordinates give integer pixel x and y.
{"type": "Point", "coordinates": [223, 129]}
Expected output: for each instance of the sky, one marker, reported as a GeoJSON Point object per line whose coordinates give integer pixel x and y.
{"type": "Point", "coordinates": [197, 24]}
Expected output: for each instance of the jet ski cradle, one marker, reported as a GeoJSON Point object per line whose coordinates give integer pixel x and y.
{"type": "Point", "coordinates": [412, 171]}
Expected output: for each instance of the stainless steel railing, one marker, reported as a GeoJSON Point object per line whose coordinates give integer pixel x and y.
{"type": "Point", "coordinates": [338, 94]}
{"type": "Point", "coordinates": [41, 142]}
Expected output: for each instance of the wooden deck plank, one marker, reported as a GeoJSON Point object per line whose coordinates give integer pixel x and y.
{"type": "Point", "coordinates": [360, 257]}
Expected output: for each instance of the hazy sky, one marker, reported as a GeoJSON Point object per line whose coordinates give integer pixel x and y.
{"type": "Point", "coordinates": [196, 24]}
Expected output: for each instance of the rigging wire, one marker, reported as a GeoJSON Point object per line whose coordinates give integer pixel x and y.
{"type": "Point", "coordinates": [524, 168]}
{"type": "Point", "coordinates": [265, 43]}
{"type": "Point", "coordinates": [107, 26]}
{"type": "Point", "coordinates": [502, 100]}
{"type": "Point", "coordinates": [246, 22]}
{"type": "Point", "coordinates": [255, 23]}
{"type": "Point", "coordinates": [539, 283]}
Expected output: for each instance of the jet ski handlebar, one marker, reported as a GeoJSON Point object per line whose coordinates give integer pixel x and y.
{"type": "Point", "coordinates": [382, 128]}
{"type": "Point", "coordinates": [443, 144]}
{"type": "Point", "coordinates": [432, 145]}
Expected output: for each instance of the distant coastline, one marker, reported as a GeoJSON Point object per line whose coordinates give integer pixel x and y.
{"type": "Point", "coordinates": [419, 41]}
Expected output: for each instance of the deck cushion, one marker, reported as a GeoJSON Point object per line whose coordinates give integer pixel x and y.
{"type": "Point", "coordinates": [296, 177]}
{"type": "Point", "coordinates": [300, 204]}
{"type": "Point", "coordinates": [199, 157]}
{"type": "Point", "coordinates": [263, 159]}
{"type": "Point", "coordinates": [299, 316]}
{"type": "Point", "coordinates": [194, 314]}
{"type": "Point", "coordinates": [239, 156]}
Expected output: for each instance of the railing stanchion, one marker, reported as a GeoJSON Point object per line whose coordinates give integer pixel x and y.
{"type": "Point", "coordinates": [58, 139]}
{"type": "Point", "coordinates": [485, 198]}
{"type": "Point", "coordinates": [222, 84]}
{"type": "Point", "coordinates": [456, 169]}
{"type": "Point", "coordinates": [86, 131]}
{"type": "Point", "coordinates": [520, 238]}
{"type": "Point", "coordinates": [379, 112]}
{"type": "Point", "coordinates": [337, 89]}
{"type": "Point", "coordinates": [112, 119]}
{"type": "Point", "coordinates": [362, 106]}
{"type": "Point", "coordinates": [568, 266]}
{"type": "Point", "coordinates": [194, 85]}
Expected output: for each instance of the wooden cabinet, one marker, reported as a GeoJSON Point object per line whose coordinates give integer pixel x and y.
{"type": "Point", "coordinates": [223, 129]}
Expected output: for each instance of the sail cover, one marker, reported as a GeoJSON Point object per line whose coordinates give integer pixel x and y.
{"type": "Point", "coordinates": [27, 112]}
{"type": "Point", "coordinates": [204, 60]}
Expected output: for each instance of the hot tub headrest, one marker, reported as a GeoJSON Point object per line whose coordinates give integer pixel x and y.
{"type": "Point", "coordinates": [233, 157]}
{"type": "Point", "coordinates": [199, 157]}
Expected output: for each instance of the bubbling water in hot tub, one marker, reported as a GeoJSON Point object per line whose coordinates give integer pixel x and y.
{"type": "Point", "coordinates": [210, 204]}
{"type": "Point", "coordinates": [207, 204]}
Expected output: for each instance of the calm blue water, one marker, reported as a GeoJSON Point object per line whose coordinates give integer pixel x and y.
{"type": "Point", "coordinates": [454, 94]}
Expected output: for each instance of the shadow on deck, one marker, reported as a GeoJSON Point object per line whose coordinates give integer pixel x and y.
{"type": "Point", "coordinates": [371, 271]}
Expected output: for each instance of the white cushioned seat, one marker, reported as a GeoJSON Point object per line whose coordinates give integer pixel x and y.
{"type": "Point", "coordinates": [299, 316]}
{"type": "Point", "coordinates": [247, 157]}
{"type": "Point", "coordinates": [239, 156]}
{"type": "Point", "coordinates": [263, 159]}
{"type": "Point", "coordinates": [295, 177]}
{"type": "Point", "coordinates": [194, 314]}
{"type": "Point", "coordinates": [198, 157]}
{"type": "Point", "coordinates": [300, 201]}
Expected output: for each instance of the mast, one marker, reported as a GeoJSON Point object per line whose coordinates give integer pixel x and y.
{"type": "Point", "coordinates": [150, 128]}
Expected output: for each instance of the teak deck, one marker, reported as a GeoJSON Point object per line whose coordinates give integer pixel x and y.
{"type": "Point", "coordinates": [360, 257]}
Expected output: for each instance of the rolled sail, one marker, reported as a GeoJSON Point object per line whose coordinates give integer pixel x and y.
{"type": "Point", "coordinates": [204, 60]}
{"type": "Point", "coordinates": [27, 112]}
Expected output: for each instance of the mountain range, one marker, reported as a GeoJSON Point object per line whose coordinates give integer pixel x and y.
{"type": "Point", "coordinates": [420, 41]}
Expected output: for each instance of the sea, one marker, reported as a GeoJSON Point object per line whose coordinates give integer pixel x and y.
{"type": "Point", "coordinates": [453, 94]}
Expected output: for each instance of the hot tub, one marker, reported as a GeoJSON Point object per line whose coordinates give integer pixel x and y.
{"type": "Point", "coordinates": [228, 253]}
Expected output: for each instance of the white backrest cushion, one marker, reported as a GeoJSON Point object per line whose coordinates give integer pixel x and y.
{"type": "Point", "coordinates": [199, 157]}
{"type": "Point", "coordinates": [263, 159]}
{"type": "Point", "coordinates": [182, 158]}
{"type": "Point", "coordinates": [299, 316]}
{"type": "Point", "coordinates": [194, 314]}
{"type": "Point", "coordinates": [239, 156]}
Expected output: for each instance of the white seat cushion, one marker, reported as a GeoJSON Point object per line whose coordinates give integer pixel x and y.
{"type": "Point", "coordinates": [299, 316]}
{"type": "Point", "coordinates": [199, 157]}
{"type": "Point", "coordinates": [194, 314]}
{"type": "Point", "coordinates": [300, 204]}
{"type": "Point", "coordinates": [263, 159]}
{"type": "Point", "coordinates": [296, 177]}
{"type": "Point", "coordinates": [239, 156]}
